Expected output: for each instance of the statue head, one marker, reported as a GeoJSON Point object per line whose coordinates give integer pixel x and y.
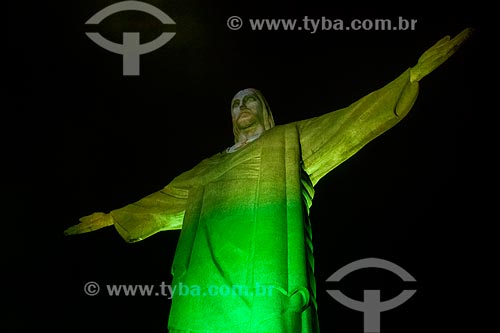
{"type": "Point", "coordinates": [250, 113]}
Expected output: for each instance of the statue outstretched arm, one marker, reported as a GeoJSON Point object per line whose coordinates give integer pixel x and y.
{"type": "Point", "coordinates": [328, 140]}
{"type": "Point", "coordinates": [162, 210]}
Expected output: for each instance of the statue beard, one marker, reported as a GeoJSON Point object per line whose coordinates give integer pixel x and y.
{"type": "Point", "coordinates": [247, 119]}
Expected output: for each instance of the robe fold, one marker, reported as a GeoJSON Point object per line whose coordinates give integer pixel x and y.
{"type": "Point", "coordinates": [244, 259]}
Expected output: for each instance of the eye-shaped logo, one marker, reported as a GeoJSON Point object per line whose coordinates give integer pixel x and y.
{"type": "Point", "coordinates": [131, 49]}
{"type": "Point", "coordinates": [371, 305]}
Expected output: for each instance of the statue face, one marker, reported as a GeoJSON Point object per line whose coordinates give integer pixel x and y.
{"type": "Point", "coordinates": [246, 109]}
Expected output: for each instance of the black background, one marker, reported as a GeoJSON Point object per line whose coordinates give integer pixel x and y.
{"type": "Point", "coordinates": [84, 138]}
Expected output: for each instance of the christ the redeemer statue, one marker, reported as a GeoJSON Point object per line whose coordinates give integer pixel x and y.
{"type": "Point", "coordinates": [244, 212]}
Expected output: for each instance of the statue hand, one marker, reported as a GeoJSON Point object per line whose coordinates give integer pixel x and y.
{"type": "Point", "coordinates": [438, 54]}
{"type": "Point", "coordinates": [90, 223]}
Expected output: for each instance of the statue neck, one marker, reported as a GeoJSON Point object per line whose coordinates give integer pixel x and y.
{"type": "Point", "coordinates": [250, 133]}
{"type": "Point", "coordinates": [245, 138]}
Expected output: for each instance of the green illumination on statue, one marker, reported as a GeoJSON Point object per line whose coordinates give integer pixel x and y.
{"type": "Point", "coordinates": [244, 212]}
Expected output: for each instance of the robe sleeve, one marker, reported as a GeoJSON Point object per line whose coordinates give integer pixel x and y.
{"type": "Point", "coordinates": [328, 140]}
{"type": "Point", "coordinates": [160, 211]}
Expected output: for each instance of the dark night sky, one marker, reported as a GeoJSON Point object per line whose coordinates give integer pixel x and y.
{"type": "Point", "coordinates": [92, 140]}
